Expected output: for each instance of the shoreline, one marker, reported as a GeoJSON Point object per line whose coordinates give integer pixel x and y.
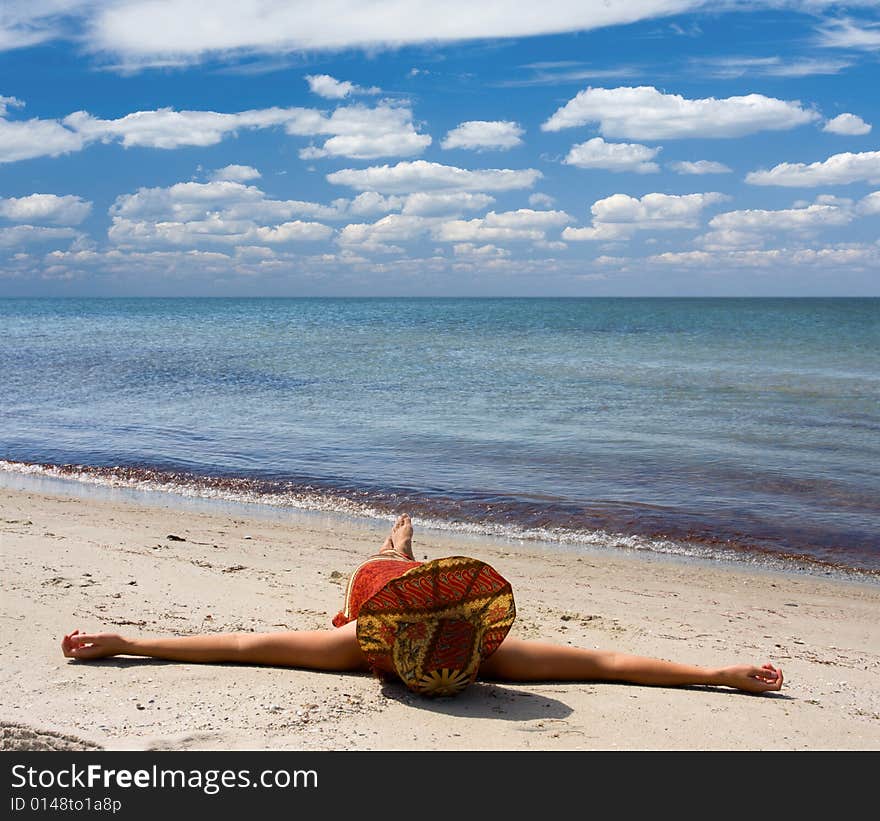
{"type": "Point", "coordinates": [215, 492]}
{"type": "Point", "coordinates": [77, 562]}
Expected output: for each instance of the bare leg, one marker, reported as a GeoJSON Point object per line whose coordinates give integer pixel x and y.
{"type": "Point", "coordinates": [517, 660]}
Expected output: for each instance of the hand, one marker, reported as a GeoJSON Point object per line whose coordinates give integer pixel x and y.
{"type": "Point", "coordinates": [89, 646]}
{"type": "Point", "coordinates": [762, 679]}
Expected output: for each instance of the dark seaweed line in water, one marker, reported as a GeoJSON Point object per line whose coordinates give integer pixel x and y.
{"type": "Point", "coordinates": [492, 517]}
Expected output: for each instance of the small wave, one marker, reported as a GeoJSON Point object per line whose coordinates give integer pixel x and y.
{"type": "Point", "coordinates": [369, 504]}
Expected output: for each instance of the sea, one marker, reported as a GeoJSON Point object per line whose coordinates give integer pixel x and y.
{"type": "Point", "coordinates": [738, 430]}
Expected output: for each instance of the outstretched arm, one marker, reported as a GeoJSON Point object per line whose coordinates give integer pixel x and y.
{"type": "Point", "coordinates": [310, 649]}
{"type": "Point", "coordinates": [517, 660]}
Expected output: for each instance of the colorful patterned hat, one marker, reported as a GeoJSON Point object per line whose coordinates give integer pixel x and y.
{"type": "Point", "coordinates": [434, 625]}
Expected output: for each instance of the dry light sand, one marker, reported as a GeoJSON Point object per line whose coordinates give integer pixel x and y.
{"type": "Point", "coordinates": [100, 564]}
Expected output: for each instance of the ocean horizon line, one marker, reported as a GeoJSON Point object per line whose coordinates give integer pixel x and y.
{"type": "Point", "coordinates": [416, 297]}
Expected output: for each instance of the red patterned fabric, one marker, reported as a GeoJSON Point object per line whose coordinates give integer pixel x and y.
{"type": "Point", "coordinates": [368, 579]}
{"type": "Point", "coordinates": [434, 625]}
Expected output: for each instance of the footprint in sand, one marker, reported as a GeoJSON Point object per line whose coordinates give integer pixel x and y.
{"type": "Point", "coordinates": [21, 737]}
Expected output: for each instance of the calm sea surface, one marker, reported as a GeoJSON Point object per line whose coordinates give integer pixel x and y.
{"type": "Point", "coordinates": [746, 428]}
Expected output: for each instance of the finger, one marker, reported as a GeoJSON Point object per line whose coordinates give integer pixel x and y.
{"type": "Point", "coordinates": [771, 680]}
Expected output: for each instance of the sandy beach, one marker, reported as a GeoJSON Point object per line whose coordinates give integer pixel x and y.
{"type": "Point", "coordinates": [98, 564]}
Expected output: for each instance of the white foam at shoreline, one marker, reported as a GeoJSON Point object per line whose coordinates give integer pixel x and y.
{"type": "Point", "coordinates": [325, 503]}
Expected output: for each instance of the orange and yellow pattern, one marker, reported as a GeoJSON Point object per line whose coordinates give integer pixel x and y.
{"type": "Point", "coordinates": [436, 623]}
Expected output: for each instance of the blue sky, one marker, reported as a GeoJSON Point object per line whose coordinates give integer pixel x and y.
{"type": "Point", "coordinates": [647, 147]}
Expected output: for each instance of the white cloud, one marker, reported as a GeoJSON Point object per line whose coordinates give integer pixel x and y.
{"type": "Point", "coordinates": [27, 139]}
{"type": "Point", "coordinates": [549, 73]}
{"type": "Point", "coordinates": [409, 177]}
{"type": "Point", "coordinates": [523, 224]}
{"type": "Point", "coordinates": [508, 226]}
{"type": "Point", "coordinates": [167, 128]}
{"type": "Point", "coordinates": [787, 219]}
{"type": "Point", "coordinates": [839, 169]}
{"type": "Point", "coordinates": [847, 124]}
{"type": "Point", "coordinates": [65, 210]}
{"type": "Point", "coordinates": [482, 135]}
{"type": "Point", "coordinates": [365, 133]}
{"type": "Point", "coordinates": [326, 86]}
{"type": "Point", "coordinates": [369, 203]}
{"type": "Point", "coordinates": [471, 231]}
{"type": "Point", "coordinates": [807, 67]}
{"type": "Point", "coordinates": [9, 102]}
{"type": "Point", "coordinates": [734, 67]}
{"type": "Point", "coordinates": [29, 22]}
{"type": "Point", "coordinates": [539, 200]}
{"type": "Point", "coordinates": [527, 218]}
{"type": "Point", "coordinates": [862, 256]}
{"type": "Point", "coordinates": [158, 31]}
{"type": "Point", "coordinates": [753, 228]}
{"type": "Point", "coordinates": [471, 251]}
{"type": "Point", "coordinates": [596, 153]}
{"type": "Point", "coordinates": [367, 146]}
{"type": "Point", "coordinates": [212, 229]}
{"type": "Point", "coordinates": [648, 114]}
{"type": "Point", "coordinates": [725, 240]}
{"type": "Point", "coordinates": [380, 235]}
{"type": "Point", "coordinates": [699, 167]}
{"type": "Point", "coordinates": [224, 212]}
{"type": "Point", "coordinates": [598, 232]}
{"type": "Point", "coordinates": [620, 216]}
{"type": "Point", "coordinates": [355, 131]}
{"type": "Point", "coordinates": [236, 173]}
{"type": "Point", "coordinates": [20, 235]}
{"type": "Point", "coordinates": [870, 204]}
{"type": "Point", "coordinates": [424, 204]}
{"type": "Point", "coordinates": [293, 231]}
{"type": "Point", "coordinates": [844, 33]}
{"type": "Point", "coordinates": [551, 245]}
{"type": "Point", "coordinates": [672, 210]}
{"type": "Point", "coordinates": [185, 200]}
{"type": "Point", "coordinates": [176, 264]}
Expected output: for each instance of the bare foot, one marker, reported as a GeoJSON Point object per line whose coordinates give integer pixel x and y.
{"type": "Point", "coordinates": [401, 536]}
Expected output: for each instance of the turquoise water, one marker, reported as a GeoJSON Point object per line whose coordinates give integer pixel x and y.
{"type": "Point", "coordinates": [746, 426]}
